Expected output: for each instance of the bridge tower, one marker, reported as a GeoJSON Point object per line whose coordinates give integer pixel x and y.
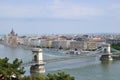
{"type": "Point", "coordinates": [38, 67]}
{"type": "Point", "coordinates": [106, 56]}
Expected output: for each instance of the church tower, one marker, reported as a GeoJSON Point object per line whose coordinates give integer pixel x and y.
{"type": "Point", "coordinates": [12, 33]}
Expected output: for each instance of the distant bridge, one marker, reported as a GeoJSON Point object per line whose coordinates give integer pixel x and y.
{"type": "Point", "coordinates": [69, 57]}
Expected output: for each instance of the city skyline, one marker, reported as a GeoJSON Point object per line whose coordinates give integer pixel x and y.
{"type": "Point", "coordinates": [59, 16]}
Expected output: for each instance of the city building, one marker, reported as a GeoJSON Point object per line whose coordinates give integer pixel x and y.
{"type": "Point", "coordinates": [61, 44]}
{"type": "Point", "coordinates": [91, 45]}
{"type": "Point", "coordinates": [11, 38]}
{"type": "Point", "coordinates": [113, 41]}
{"type": "Point", "coordinates": [80, 45]}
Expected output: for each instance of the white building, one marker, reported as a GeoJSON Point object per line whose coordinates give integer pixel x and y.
{"type": "Point", "coordinates": [78, 45]}
{"type": "Point", "coordinates": [35, 42]}
{"type": "Point", "coordinates": [65, 44]}
{"type": "Point", "coordinates": [27, 41]}
{"type": "Point", "coordinates": [91, 45]}
{"type": "Point", "coordinates": [43, 43]}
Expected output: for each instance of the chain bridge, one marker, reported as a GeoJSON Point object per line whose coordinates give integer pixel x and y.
{"type": "Point", "coordinates": [63, 56]}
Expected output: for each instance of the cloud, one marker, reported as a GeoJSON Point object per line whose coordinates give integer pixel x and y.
{"type": "Point", "coordinates": [73, 11]}
{"type": "Point", "coordinates": [112, 10]}
{"type": "Point", "coordinates": [20, 10]}
{"type": "Point", "coordinates": [54, 9]}
{"type": "Point", "coordinates": [115, 6]}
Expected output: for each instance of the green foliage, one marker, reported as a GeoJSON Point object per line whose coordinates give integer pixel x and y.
{"type": "Point", "coordinates": [9, 69]}
{"type": "Point", "coordinates": [115, 46]}
{"type": "Point", "coordinates": [26, 78]}
{"type": "Point", "coordinates": [58, 76]}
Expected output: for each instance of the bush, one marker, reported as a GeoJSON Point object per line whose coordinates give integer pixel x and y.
{"type": "Point", "coordinates": [58, 76]}
{"type": "Point", "coordinates": [115, 46]}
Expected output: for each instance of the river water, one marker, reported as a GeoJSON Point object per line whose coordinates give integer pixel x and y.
{"type": "Point", "coordinates": [81, 67]}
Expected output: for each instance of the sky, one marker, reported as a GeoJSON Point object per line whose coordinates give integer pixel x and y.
{"type": "Point", "coordinates": [59, 16]}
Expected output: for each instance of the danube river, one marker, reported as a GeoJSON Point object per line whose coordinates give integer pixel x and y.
{"type": "Point", "coordinates": [81, 67]}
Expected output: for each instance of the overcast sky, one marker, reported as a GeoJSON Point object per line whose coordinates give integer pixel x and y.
{"type": "Point", "coordinates": [59, 16]}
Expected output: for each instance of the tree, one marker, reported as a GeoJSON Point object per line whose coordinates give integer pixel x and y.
{"type": "Point", "coordinates": [7, 70]}
{"type": "Point", "coordinates": [115, 46]}
{"type": "Point", "coordinates": [49, 76]}
{"type": "Point", "coordinates": [26, 78]}
{"type": "Point", "coordinates": [59, 76]}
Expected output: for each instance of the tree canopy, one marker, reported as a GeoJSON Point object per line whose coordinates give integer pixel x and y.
{"type": "Point", "coordinates": [49, 76]}
{"type": "Point", "coordinates": [8, 70]}
{"type": "Point", "coordinates": [115, 46]}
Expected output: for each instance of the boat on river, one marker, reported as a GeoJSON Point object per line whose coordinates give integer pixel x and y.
{"type": "Point", "coordinates": [73, 52]}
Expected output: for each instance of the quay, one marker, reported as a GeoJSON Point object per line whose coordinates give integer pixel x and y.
{"type": "Point", "coordinates": [116, 56]}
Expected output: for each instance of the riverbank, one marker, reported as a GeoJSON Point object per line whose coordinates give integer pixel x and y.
{"type": "Point", "coordinates": [16, 45]}
{"type": "Point", "coordinates": [82, 68]}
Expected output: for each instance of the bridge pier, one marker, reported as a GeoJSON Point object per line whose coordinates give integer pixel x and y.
{"type": "Point", "coordinates": [106, 53]}
{"type": "Point", "coordinates": [38, 67]}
